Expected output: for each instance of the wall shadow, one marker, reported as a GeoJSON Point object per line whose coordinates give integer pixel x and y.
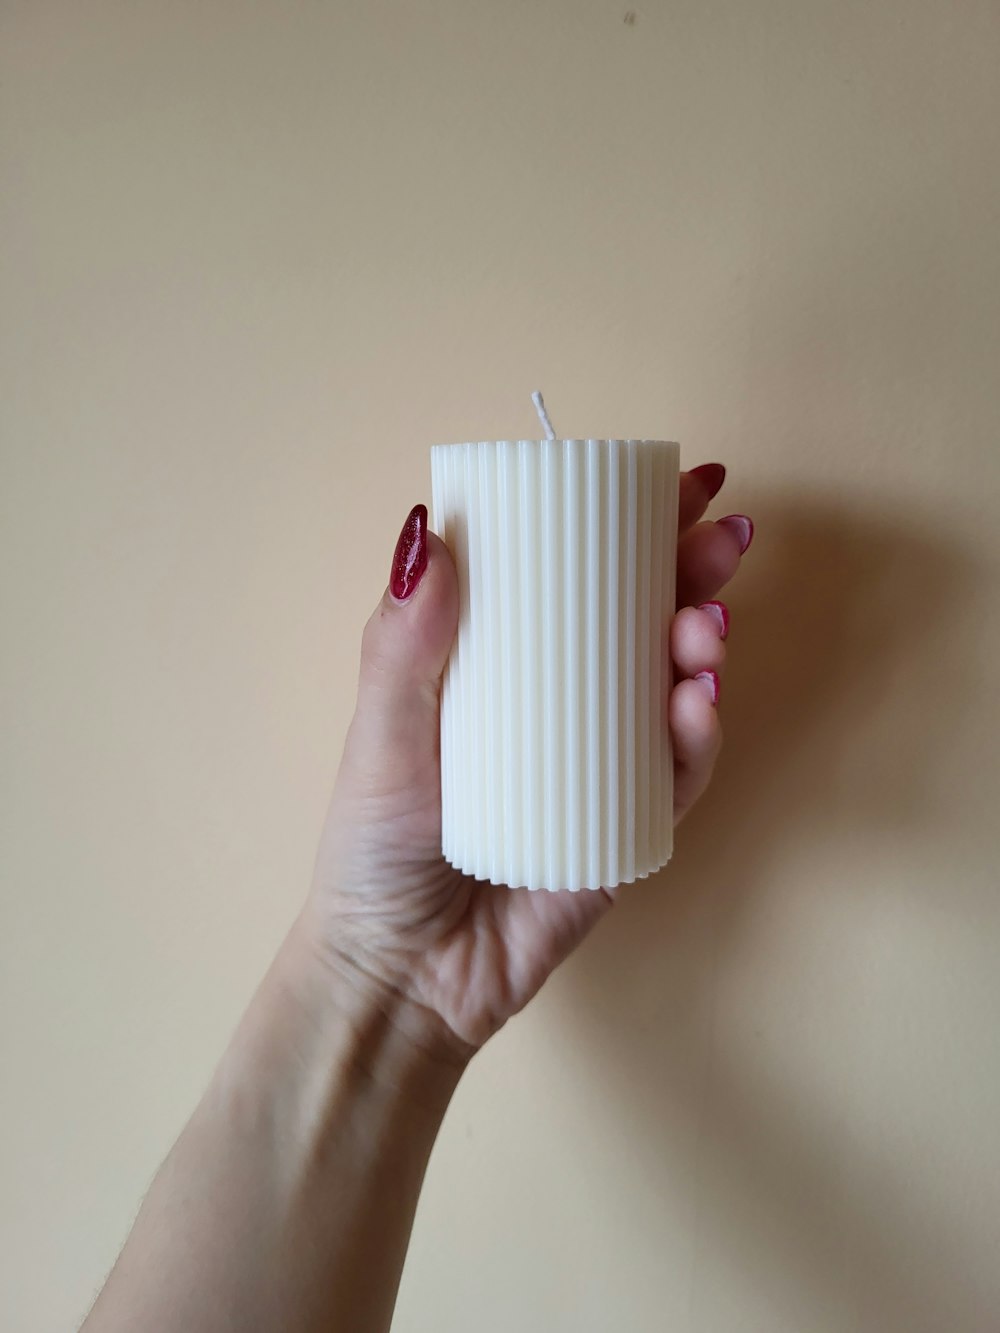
{"type": "Point", "coordinates": [828, 619]}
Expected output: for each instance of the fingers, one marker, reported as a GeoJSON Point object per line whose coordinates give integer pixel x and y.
{"type": "Point", "coordinates": [709, 555]}
{"type": "Point", "coordinates": [696, 639]}
{"type": "Point", "coordinates": [697, 739]}
{"type": "Point", "coordinates": [393, 741]}
{"type": "Point", "coordinates": [409, 635]}
{"type": "Point", "coordinates": [698, 649]}
{"type": "Point", "coordinates": [697, 488]}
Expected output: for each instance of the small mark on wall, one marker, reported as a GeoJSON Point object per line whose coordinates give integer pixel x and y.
{"type": "Point", "coordinates": [630, 18]}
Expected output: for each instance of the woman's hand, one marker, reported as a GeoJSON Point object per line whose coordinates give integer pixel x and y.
{"type": "Point", "coordinates": [386, 910]}
{"type": "Point", "coordinates": [288, 1199]}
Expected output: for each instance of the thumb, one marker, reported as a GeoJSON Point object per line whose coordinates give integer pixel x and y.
{"type": "Point", "coordinates": [393, 746]}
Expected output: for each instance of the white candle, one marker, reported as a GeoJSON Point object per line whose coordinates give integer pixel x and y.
{"type": "Point", "coordinates": [556, 768]}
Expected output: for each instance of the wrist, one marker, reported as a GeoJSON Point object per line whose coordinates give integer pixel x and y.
{"type": "Point", "coordinates": [322, 1065]}
{"type": "Point", "coordinates": [366, 961]}
{"type": "Point", "coordinates": [388, 1038]}
{"type": "Point", "coordinates": [320, 1025]}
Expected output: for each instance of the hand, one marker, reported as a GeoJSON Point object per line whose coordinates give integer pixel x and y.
{"type": "Point", "coordinates": [386, 908]}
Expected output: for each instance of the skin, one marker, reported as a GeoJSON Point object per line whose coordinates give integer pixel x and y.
{"type": "Point", "coordinates": [287, 1202]}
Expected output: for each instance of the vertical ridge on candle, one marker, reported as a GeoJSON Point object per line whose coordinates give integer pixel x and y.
{"type": "Point", "coordinates": [486, 810]}
{"type": "Point", "coordinates": [644, 500]}
{"type": "Point", "coordinates": [573, 657]}
{"type": "Point", "coordinates": [506, 552]}
{"type": "Point", "coordinates": [590, 622]}
{"type": "Point", "coordinates": [627, 668]}
{"type": "Point", "coordinates": [463, 681]}
{"type": "Point", "coordinates": [668, 603]}
{"type": "Point", "coordinates": [445, 507]}
{"type": "Point", "coordinates": [439, 523]}
{"type": "Point", "coordinates": [656, 630]}
{"type": "Point", "coordinates": [445, 493]}
{"type": "Point", "coordinates": [472, 680]}
{"type": "Point", "coordinates": [551, 713]}
{"type": "Point", "coordinates": [492, 810]}
{"type": "Point", "coordinates": [529, 627]}
{"type": "Point", "coordinates": [470, 666]}
{"type": "Point", "coordinates": [441, 507]}
{"type": "Point", "coordinates": [472, 669]}
{"type": "Point", "coordinates": [555, 766]}
{"type": "Point", "coordinates": [456, 681]}
{"type": "Point", "coordinates": [611, 719]}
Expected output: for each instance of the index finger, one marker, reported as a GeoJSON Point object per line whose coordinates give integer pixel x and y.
{"type": "Point", "coordinates": [697, 488]}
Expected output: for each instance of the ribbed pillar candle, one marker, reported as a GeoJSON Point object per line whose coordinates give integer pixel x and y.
{"type": "Point", "coordinates": [556, 769]}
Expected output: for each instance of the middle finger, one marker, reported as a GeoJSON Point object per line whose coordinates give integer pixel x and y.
{"type": "Point", "coordinates": [707, 558]}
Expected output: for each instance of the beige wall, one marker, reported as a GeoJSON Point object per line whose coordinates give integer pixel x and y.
{"type": "Point", "coordinates": [256, 258]}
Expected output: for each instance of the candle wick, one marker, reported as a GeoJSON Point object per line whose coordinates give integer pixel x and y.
{"type": "Point", "coordinates": [536, 398]}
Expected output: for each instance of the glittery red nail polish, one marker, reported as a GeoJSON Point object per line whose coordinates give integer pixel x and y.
{"type": "Point", "coordinates": [720, 612]}
{"type": "Point", "coordinates": [742, 528]}
{"type": "Point", "coordinates": [711, 476]}
{"type": "Point", "coordinates": [711, 679]}
{"type": "Point", "coordinates": [410, 558]}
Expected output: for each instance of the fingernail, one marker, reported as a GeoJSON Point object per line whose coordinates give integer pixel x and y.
{"type": "Point", "coordinates": [710, 680]}
{"type": "Point", "coordinates": [410, 558]}
{"type": "Point", "coordinates": [720, 613]}
{"type": "Point", "coordinates": [711, 476]}
{"type": "Point", "coordinates": [742, 527]}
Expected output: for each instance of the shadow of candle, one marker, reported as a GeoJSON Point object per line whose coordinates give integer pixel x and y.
{"type": "Point", "coordinates": [829, 619]}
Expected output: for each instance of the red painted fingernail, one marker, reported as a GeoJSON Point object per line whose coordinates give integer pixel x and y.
{"type": "Point", "coordinates": [710, 680]}
{"type": "Point", "coordinates": [711, 476]}
{"type": "Point", "coordinates": [741, 527]}
{"type": "Point", "coordinates": [720, 613]}
{"type": "Point", "coordinates": [410, 558]}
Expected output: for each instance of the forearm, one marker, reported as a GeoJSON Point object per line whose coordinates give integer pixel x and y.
{"type": "Point", "coordinates": [288, 1199]}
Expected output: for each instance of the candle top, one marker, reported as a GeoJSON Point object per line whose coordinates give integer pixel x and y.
{"type": "Point", "coordinates": [537, 444]}
{"type": "Point", "coordinates": [550, 434]}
